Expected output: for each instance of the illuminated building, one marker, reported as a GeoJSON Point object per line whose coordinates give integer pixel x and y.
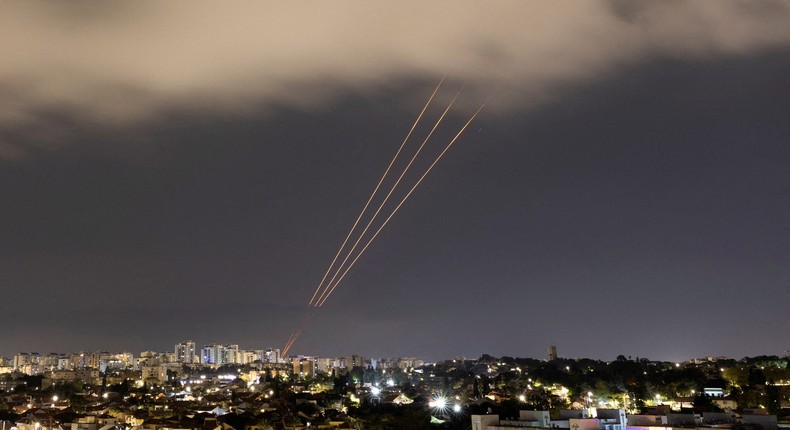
{"type": "Point", "coordinates": [304, 367]}
{"type": "Point", "coordinates": [185, 352]}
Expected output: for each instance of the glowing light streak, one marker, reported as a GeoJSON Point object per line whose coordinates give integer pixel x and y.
{"type": "Point", "coordinates": [428, 170]}
{"type": "Point", "coordinates": [291, 341]}
{"type": "Point", "coordinates": [375, 190]}
{"type": "Point", "coordinates": [392, 189]}
{"type": "Point", "coordinates": [296, 333]}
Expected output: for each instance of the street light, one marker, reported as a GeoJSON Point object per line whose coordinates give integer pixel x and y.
{"type": "Point", "coordinates": [439, 403]}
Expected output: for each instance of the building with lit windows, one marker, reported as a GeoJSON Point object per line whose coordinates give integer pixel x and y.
{"type": "Point", "coordinates": [304, 367]}
{"type": "Point", "coordinates": [185, 352]}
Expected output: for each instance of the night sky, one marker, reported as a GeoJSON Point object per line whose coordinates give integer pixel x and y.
{"type": "Point", "coordinates": [180, 170]}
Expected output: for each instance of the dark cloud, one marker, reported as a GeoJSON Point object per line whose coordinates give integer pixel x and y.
{"type": "Point", "coordinates": [133, 62]}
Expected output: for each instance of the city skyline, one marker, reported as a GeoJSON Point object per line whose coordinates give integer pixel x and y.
{"type": "Point", "coordinates": [166, 176]}
{"type": "Point", "coordinates": [217, 355]}
{"type": "Point", "coordinates": [98, 390]}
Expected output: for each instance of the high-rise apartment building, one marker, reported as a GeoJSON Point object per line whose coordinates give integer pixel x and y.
{"type": "Point", "coordinates": [272, 355]}
{"type": "Point", "coordinates": [212, 354]}
{"type": "Point", "coordinates": [185, 352]}
{"type": "Point", "coordinates": [219, 354]}
{"type": "Point", "coordinates": [304, 367]}
{"type": "Point", "coordinates": [233, 355]}
{"type": "Point", "coordinates": [552, 352]}
{"type": "Point", "coordinates": [355, 361]}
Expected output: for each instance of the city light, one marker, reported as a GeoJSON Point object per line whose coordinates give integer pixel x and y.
{"type": "Point", "coordinates": [439, 403]}
{"type": "Point", "coordinates": [442, 404]}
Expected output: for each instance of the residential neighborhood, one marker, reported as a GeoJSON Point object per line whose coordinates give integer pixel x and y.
{"type": "Point", "coordinates": [223, 387]}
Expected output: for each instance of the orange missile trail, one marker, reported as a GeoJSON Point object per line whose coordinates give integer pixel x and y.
{"type": "Point", "coordinates": [386, 198]}
{"type": "Point", "coordinates": [308, 316]}
{"type": "Point", "coordinates": [294, 336]}
{"type": "Point", "coordinates": [375, 190]}
{"type": "Point", "coordinates": [428, 170]}
{"type": "Point", "coordinates": [298, 333]}
{"type": "Point", "coordinates": [289, 343]}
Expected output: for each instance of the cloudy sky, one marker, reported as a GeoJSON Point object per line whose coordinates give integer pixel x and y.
{"type": "Point", "coordinates": [187, 170]}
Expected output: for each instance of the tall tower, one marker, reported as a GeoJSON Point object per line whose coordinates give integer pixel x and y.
{"type": "Point", "coordinates": [214, 353]}
{"type": "Point", "coordinates": [552, 352]}
{"type": "Point", "coordinates": [272, 355]}
{"type": "Point", "coordinates": [185, 352]}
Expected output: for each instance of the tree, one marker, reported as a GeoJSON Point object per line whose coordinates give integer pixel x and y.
{"type": "Point", "coordinates": [703, 402]}
{"type": "Point", "coordinates": [341, 383]}
{"type": "Point", "coordinates": [756, 376]}
{"type": "Point", "coordinates": [773, 399]}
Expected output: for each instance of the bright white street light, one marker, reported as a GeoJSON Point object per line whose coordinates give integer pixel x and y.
{"type": "Point", "coordinates": [438, 402]}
